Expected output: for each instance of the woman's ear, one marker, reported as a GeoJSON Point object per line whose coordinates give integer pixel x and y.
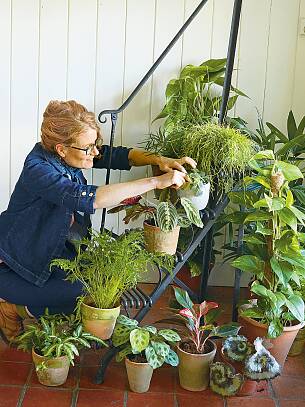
{"type": "Point", "coordinates": [60, 150]}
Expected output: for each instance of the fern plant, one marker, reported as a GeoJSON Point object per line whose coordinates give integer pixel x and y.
{"type": "Point", "coordinates": [108, 267]}
{"type": "Point", "coordinates": [153, 345]}
{"type": "Point", "coordinates": [56, 335]}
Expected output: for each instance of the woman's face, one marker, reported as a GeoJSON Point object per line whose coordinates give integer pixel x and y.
{"type": "Point", "coordinates": [78, 158]}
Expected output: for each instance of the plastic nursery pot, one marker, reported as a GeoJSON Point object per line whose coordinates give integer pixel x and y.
{"type": "Point", "coordinates": [98, 321]}
{"type": "Point", "coordinates": [298, 343]}
{"type": "Point", "coordinates": [249, 386]}
{"type": "Point", "coordinates": [199, 199]}
{"type": "Point", "coordinates": [194, 369]}
{"type": "Point", "coordinates": [51, 372]}
{"type": "Point", "coordinates": [158, 241]}
{"type": "Point", "coordinates": [139, 375]}
{"type": "Point", "coordinates": [278, 347]}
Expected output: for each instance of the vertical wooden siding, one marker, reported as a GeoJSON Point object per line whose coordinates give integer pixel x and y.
{"type": "Point", "coordinates": [96, 51]}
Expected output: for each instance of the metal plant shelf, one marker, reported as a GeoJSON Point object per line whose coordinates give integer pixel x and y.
{"type": "Point", "coordinates": [136, 298]}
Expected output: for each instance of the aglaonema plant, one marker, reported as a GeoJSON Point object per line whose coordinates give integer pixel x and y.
{"type": "Point", "coordinates": [147, 342]}
{"type": "Point", "coordinates": [275, 243]}
{"type": "Point", "coordinates": [199, 321]}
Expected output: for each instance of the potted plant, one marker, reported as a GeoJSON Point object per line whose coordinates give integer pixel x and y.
{"type": "Point", "coordinates": [244, 366]}
{"type": "Point", "coordinates": [276, 252]}
{"type": "Point", "coordinates": [196, 351]}
{"type": "Point", "coordinates": [162, 221]}
{"type": "Point", "coordinates": [54, 341]}
{"type": "Point", "coordinates": [144, 349]}
{"type": "Point", "coordinates": [107, 267]}
{"type": "Point", "coordinates": [197, 190]}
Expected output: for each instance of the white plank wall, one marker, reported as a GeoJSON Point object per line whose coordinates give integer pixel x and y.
{"type": "Point", "coordinates": [96, 51]}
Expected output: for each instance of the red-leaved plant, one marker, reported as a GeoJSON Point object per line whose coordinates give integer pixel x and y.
{"type": "Point", "coordinates": [199, 319]}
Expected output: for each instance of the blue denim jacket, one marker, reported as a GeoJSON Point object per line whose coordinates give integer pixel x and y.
{"type": "Point", "coordinates": [35, 226]}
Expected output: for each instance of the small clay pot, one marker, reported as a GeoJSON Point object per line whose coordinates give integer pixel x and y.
{"type": "Point", "coordinates": [51, 372]}
{"type": "Point", "coordinates": [139, 375]}
{"type": "Point", "coordinates": [158, 241]}
{"type": "Point", "coordinates": [98, 321]}
{"type": "Point", "coordinates": [194, 369]}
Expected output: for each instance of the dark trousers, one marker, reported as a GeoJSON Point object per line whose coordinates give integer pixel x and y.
{"type": "Point", "coordinates": [58, 295]}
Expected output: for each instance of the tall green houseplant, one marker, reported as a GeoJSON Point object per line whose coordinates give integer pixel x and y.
{"type": "Point", "coordinates": [275, 243]}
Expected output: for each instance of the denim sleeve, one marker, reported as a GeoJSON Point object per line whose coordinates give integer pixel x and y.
{"type": "Point", "coordinates": [119, 159]}
{"type": "Point", "coordinates": [44, 181]}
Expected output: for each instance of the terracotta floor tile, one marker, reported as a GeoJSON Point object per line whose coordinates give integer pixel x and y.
{"type": "Point", "coordinates": [194, 399]}
{"type": "Point", "coordinates": [116, 378]}
{"type": "Point", "coordinates": [150, 400]}
{"type": "Point", "coordinates": [100, 398]}
{"type": "Point", "coordinates": [287, 387]}
{"type": "Point", "coordinates": [8, 354]}
{"type": "Point", "coordinates": [46, 397]}
{"type": "Point", "coordinates": [92, 357]}
{"type": "Point", "coordinates": [163, 380]}
{"type": "Point", "coordinates": [295, 366]}
{"type": "Point", "coordinates": [70, 383]}
{"type": "Point", "coordinates": [14, 373]}
{"type": "Point", "coordinates": [249, 402]}
{"type": "Point", "coordinates": [9, 396]}
{"type": "Point", "coordinates": [292, 403]}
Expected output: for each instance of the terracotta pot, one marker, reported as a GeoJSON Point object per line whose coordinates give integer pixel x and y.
{"type": "Point", "coordinates": [298, 343]}
{"type": "Point", "coordinates": [194, 369]}
{"type": "Point", "coordinates": [248, 387]}
{"type": "Point", "coordinates": [55, 372]}
{"type": "Point", "coordinates": [139, 375]}
{"type": "Point", "coordinates": [199, 200]}
{"type": "Point", "coordinates": [158, 241]}
{"type": "Point", "coordinates": [98, 321]}
{"type": "Point", "coordinates": [279, 347]}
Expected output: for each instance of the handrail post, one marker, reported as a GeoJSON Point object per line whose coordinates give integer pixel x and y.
{"type": "Point", "coordinates": [230, 59]}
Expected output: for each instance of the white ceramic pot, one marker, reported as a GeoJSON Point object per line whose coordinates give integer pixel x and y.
{"type": "Point", "coordinates": [199, 199]}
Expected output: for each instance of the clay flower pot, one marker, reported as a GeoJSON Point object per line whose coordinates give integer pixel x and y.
{"type": "Point", "coordinates": [51, 372]}
{"type": "Point", "coordinates": [98, 321]}
{"type": "Point", "coordinates": [298, 343]}
{"type": "Point", "coordinates": [278, 347]}
{"type": "Point", "coordinates": [139, 375]}
{"type": "Point", "coordinates": [158, 241]}
{"type": "Point", "coordinates": [194, 369]}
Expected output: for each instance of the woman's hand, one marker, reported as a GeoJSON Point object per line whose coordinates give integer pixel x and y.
{"type": "Point", "coordinates": [173, 178]}
{"type": "Point", "coordinates": [169, 164]}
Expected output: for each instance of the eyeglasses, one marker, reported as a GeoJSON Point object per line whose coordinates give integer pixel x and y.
{"type": "Point", "coordinates": [89, 150]}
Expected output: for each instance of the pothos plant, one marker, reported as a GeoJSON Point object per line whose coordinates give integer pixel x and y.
{"type": "Point", "coordinates": [199, 321]}
{"type": "Point", "coordinates": [165, 215]}
{"type": "Point", "coordinates": [56, 335]}
{"type": "Point", "coordinates": [275, 244]}
{"type": "Point", "coordinates": [252, 362]}
{"type": "Point", "coordinates": [151, 345]}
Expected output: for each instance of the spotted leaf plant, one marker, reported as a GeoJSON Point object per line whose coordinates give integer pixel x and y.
{"type": "Point", "coordinates": [146, 343]}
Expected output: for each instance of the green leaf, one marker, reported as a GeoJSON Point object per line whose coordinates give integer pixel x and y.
{"type": "Point", "coordinates": [300, 215]}
{"type": "Point", "coordinates": [295, 304]}
{"type": "Point", "coordinates": [139, 339]}
{"type": "Point", "coordinates": [123, 320]}
{"type": "Point", "coordinates": [183, 298]}
{"type": "Point", "coordinates": [289, 199]}
{"type": "Point", "coordinates": [167, 217]}
{"type": "Point", "coordinates": [253, 239]}
{"type": "Point", "coordinates": [151, 329]}
{"type": "Point", "coordinates": [172, 358]}
{"type": "Point", "coordinates": [192, 212]}
{"type": "Point", "coordinates": [121, 334]}
{"type": "Point", "coordinates": [275, 328]}
{"type": "Point", "coordinates": [258, 215]}
{"type": "Point", "coordinates": [153, 358]}
{"type": "Point", "coordinates": [161, 348]}
{"type": "Point", "coordinates": [253, 312]}
{"type": "Point", "coordinates": [169, 335]}
{"type": "Point", "coordinates": [227, 330]}
{"type": "Point", "coordinates": [264, 155]}
{"type": "Point", "coordinates": [260, 290]}
{"type": "Point", "coordinates": [262, 230]}
{"type": "Point", "coordinates": [258, 179]}
{"type": "Point", "coordinates": [247, 198]}
{"type": "Point", "coordinates": [288, 217]}
{"type": "Point", "coordinates": [291, 172]}
{"type": "Point", "coordinates": [123, 353]}
{"type": "Point", "coordinates": [276, 267]}
{"type": "Point", "coordinates": [249, 263]}
{"type": "Point", "coordinates": [299, 192]}
{"type": "Point", "coordinates": [291, 126]}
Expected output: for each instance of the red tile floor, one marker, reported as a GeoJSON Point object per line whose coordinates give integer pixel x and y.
{"type": "Point", "coordinates": [19, 385]}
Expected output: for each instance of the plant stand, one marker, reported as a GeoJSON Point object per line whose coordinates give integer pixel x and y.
{"type": "Point", "coordinates": [216, 206]}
